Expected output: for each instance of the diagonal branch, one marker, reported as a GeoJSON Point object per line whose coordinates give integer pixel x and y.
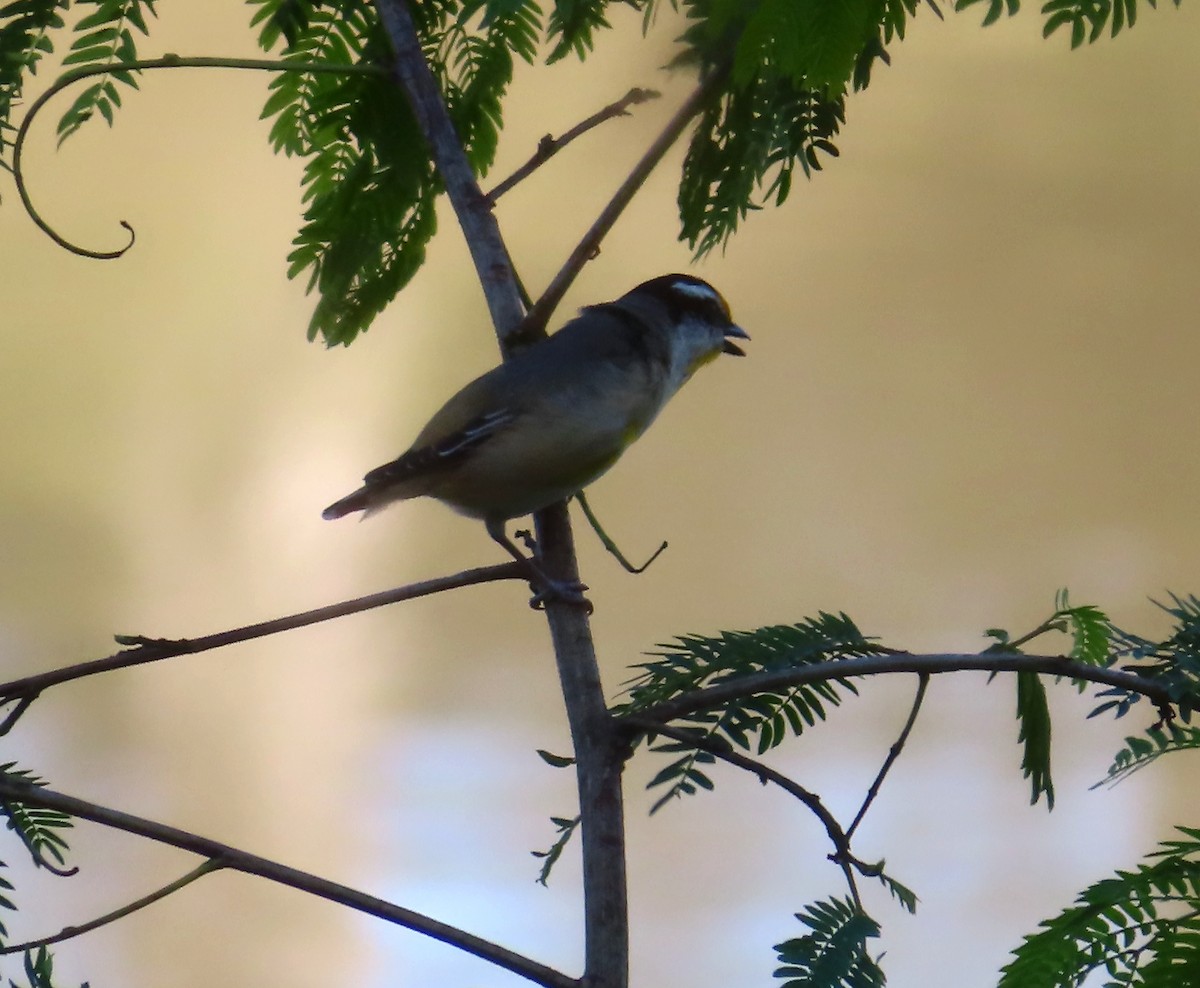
{"type": "Point", "coordinates": [224, 856]}
{"type": "Point", "coordinates": [70, 932]}
{"type": "Point", "coordinates": [144, 650]}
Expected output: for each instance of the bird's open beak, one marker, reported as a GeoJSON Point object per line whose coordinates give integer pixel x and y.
{"type": "Point", "coordinates": [730, 346]}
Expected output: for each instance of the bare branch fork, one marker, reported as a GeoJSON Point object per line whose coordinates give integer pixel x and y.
{"type": "Point", "coordinates": [839, 837]}
{"type": "Point", "coordinates": [656, 720]}
{"type": "Point", "coordinates": [892, 755]}
{"type": "Point", "coordinates": [587, 248]}
{"type": "Point", "coordinates": [222, 856]}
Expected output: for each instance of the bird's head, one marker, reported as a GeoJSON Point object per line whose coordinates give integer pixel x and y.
{"type": "Point", "coordinates": [692, 316]}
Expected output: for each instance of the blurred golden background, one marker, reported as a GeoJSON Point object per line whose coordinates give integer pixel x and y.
{"type": "Point", "coordinates": [972, 382]}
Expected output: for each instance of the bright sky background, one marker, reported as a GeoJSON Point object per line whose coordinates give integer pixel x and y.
{"type": "Point", "coordinates": [972, 381]}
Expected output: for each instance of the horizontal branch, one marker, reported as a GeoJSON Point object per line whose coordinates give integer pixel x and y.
{"type": "Point", "coordinates": [153, 649]}
{"type": "Point", "coordinates": [875, 665]}
{"type": "Point", "coordinates": [234, 859]}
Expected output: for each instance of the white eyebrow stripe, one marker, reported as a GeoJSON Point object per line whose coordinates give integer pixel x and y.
{"type": "Point", "coordinates": [697, 291]}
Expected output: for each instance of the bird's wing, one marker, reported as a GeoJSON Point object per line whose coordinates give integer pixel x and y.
{"type": "Point", "coordinates": [443, 453]}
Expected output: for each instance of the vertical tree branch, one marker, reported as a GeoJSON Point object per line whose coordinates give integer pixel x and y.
{"type": "Point", "coordinates": [475, 216]}
{"type": "Point", "coordinates": [598, 765]}
{"type": "Point", "coordinates": [597, 761]}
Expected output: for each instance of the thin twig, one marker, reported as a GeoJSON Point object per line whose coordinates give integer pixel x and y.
{"type": "Point", "coordinates": [609, 544]}
{"type": "Point", "coordinates": [549, 146]}
{"type": "Point", "coordinates": [1055, 623]}
{"type": "Point", "coordinates": [70, 932]}
{"type": "Point", "coordinates": [588, 247]}
{"type": "Point", "coordinates": [251, 864]}
{"type": "Point", "coordinates": [893, 753]}
{"type": "Point", "coordinates": [154, 649]}
{"type": "Point", "coordinates": [139, 65]}
{"type": "Point", "coordinates": [14, 715]}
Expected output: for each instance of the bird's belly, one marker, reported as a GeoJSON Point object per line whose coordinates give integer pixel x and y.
{"type": "Point", "coordinates": [553, 465]}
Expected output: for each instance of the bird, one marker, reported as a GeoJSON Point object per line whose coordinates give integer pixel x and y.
{"type": "Point", "coordinates": [547, 422]}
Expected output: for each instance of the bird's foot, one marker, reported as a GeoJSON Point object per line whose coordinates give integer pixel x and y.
{"type": "Point", "coordinates": [546, 589]}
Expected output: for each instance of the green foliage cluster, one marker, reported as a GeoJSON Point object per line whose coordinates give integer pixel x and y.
{"type": "Point", "coordinates": [369, 184]}
{"type": "Point", "coordinates": [1141, 751]}
{"type": "Point", "coordinates": [39, 970]}
{"type": "Point", "coordinates": [41, 832]}
{"type": "Point", "coordinates": [1089, 629]}
{"type": "Point", "coordinates": [791, 64]}
{"type": "Point", "coordinates": [1086, 19]}
{"type": "Point", "coordinates": [26, 28]}
{"type": "Point", "coordinates": [573, 25]}
{"type": "Point", "coordinates": [1174, 662]}
{"type": "Point", "coordinates": [369, 190]}
{"type": "Point", "coordinates": [1140, 927]}
{"type": "Point", "coordinates": [834, 954]}
{"type": "Point", "coordinates": [104, 37]}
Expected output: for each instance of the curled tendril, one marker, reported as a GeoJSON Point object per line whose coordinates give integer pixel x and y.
{"type": "Point", "coordinates": [35, 852]}
{"type": "Point", "coordinates": [166, 62]}
{"type": "Point", "coordinates": [41, 861]}
{"type": "Point", "coordinates": [19, 176]}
